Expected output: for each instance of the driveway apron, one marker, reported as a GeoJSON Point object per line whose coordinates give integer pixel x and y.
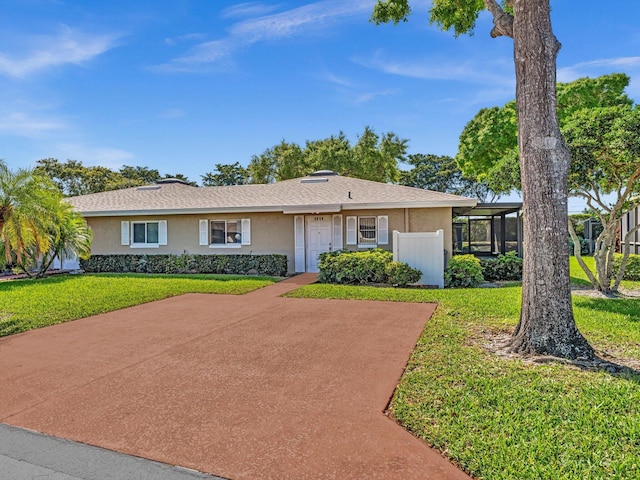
{"type": "Point", "coordinates": [244, 387]}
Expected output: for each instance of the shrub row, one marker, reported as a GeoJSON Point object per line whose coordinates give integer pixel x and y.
{"type": "Point", "coordinates": [232, 264]}
{"type": "Point", "coordinates": [502, 267]}
{"type": "Point", "coordinates": [470, 271]}
{"type": "Point", "coordinates": [632, 270]}
{"type": "Point", "coordinates": [370, 266]}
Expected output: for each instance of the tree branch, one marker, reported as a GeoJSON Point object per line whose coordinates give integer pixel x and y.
{"type": "Point", "coordinates": [578, 254]}
{"type": "Point", "coordinates": [502, 21]}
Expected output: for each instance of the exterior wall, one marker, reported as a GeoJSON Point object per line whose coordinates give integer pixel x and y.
{"type": "Point", "coordinates": [271, 233]}
{"type": "Point", "coordinates": [628, 221]}
{"type": "Point", "coordinates": [432, 220]}
{"type": "Point", "coordinates": [409, 220]}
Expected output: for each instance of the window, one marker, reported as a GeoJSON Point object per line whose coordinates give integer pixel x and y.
{"type": "Point", "coordinates": [368, 231]}
{"type": "Point", "coordinates": [150, 234]}
{"type": "Point", "coordinates": [146, 232]}
{"type": "Point", "coordinates": [225, 233]}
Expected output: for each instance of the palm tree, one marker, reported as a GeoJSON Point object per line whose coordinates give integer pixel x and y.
{"type": "Point", "coordinates": [70, 237]}
{"type": "Point", "coordinates": [28, 202]}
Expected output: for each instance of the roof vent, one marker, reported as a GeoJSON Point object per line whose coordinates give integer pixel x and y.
{"type": "Point", "coordinates": [314, 180]}
{"type": "Point", "coordinates": [149, 187]}
{"type": "Point", "coordinates": [171, 180]}
{"type": "Point", "coordinates": [323, 173]}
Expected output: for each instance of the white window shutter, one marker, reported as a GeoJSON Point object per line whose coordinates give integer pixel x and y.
{"type": "Point", "coordinates": [352, 230]}
{"type": "Point", "coordinates": [246, 231]}
{"type": "Point", "coordinates": [162, 232]}
{"type": "Point", "coordinates": [204, 232]}
{"type": "Point", "coordinates": [337, 232]}
{"type": "Point", "coordinates": [299, 243]}
{"type": "Point", "coordinates": [383, 230]}
{"type": "Point", "coordinates": [124, 233]}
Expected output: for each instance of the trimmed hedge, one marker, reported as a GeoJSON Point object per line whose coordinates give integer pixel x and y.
{"type": "Point", "coordinates": [632, 270]}
{"type": "Point", "coordinates": [463, 271]}
{"type": "Point", "coordinates": [275, 265]}
{"type": "Point", "coordinates": [370, 266]}
{"type": "Point", "coordinates": [502, 267]}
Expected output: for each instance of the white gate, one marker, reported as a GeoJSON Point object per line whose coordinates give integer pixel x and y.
{"type": "Point", "coordinates": [424, 251]}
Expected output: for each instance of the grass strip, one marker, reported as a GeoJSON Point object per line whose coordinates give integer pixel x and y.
{"type": "Point", "coordinates": [28, 304]}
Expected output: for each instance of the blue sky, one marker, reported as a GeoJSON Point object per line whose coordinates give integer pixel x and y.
{"type": "Point", "coordinates": [183, 84]}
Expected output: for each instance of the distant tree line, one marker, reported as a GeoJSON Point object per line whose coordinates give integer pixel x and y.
{"type": "Point", "coordinates": [372, 157]}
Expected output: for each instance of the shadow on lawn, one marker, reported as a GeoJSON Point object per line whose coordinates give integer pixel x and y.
{"type": "Point", "coordinates": [629, 307]}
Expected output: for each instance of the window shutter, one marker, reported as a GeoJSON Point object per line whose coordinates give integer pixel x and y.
{"type": "Point", "coordinates": [383, 230]}
{"type": "Point", "coordinates": [352, 230]}
{"type": "Point", "coordinates": [204, 232]}
{"type": "Point", "coordinates": [299, 243]}
{"type": "Point", "coordinates": [124, 233]}
{"type": "Point", "coordinates": [162, 232]}
{"type": "Point", "coordinates": [246, 231]}
{"type": "Point", "coordinates": [337, 232]}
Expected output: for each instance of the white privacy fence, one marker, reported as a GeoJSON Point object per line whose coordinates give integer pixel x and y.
{"type": "Point", "coordinates": [424, 251]}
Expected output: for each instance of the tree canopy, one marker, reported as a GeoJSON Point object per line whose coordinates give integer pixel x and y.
{"type": "Point", "coordinates": [232, 174]}
{"type": "Point", "coordinates": [373, 157]}
{"type": "Point", "coordinates": [73, 178]}
{"type": "Point", "coordinates": [601, 125]}
{"type": "Point", "coordinates": [442, 174]}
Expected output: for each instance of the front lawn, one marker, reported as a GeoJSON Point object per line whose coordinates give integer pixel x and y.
{"type": "Point", "coordinates": [28, 304]}
{"type": "Point", "coordinates": [508, 419]}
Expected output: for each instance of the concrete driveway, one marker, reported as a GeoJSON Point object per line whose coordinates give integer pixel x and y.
{"type": "Point", "coordinates": [243, 387]}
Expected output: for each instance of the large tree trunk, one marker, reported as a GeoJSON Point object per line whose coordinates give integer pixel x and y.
{"type": "Point", "coordinates": [546, 322]}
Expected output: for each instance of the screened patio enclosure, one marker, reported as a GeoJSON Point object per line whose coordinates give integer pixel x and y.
{"type": "Point", "coordinates": [488, 229]}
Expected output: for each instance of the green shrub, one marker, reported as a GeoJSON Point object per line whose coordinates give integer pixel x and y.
{"type": "Point", "coordinates": [463, 271]}
{"type": "Point", "coordinates": [632, 270]}
{"type": "Point", "coordinates": [275, 265]}
{"type": "Point", "coordinates": [584, 246]}
{"type": "Point", "coordinates": [502, 267]}
{"type": "Point", "coordinates": [402, 274]}
{"type": "Point", "coordinates": [370, 266]}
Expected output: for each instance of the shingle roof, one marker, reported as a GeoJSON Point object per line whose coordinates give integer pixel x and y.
{"type": "Point", "coordinates": [331, 193]}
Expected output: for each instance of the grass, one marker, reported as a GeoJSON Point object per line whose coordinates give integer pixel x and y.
{"type": "Point", "coordinates": [579, 278]}
{"type": "Point", "coordinates": [28, 304]}
{"type": "Point", "coordinates": [507, 419]}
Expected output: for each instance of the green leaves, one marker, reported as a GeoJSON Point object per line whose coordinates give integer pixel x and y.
{"type": "Point", "coordinates": [395, 11]}
{"type": "Point", "coordinates": [373, 157]}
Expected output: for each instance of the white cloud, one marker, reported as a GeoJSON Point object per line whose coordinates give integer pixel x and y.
{"type": "Point", "coordinates": [68, 47]}
{"type": "Point", "coordinates": [184, 38]}
{"type": "Point", "coordinates": [109, 157]}
{"type": "Point", "coordinates": [598, 67]}
{"type": "Point", "coordinates": [249, 9]}
{"type": "Point", "coordinates": [312, 17]}
{"type": "Point", "coordinates": [497, 74]}
{"type": "Point", "coordinates": [368, 96]}
{"type": "Point", "coordinates": [24, 124]}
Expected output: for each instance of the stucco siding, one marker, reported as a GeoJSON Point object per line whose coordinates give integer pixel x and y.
{"type": "Point", "coordinates": [431, 220]}
{"type": "Point", "coordinates": [271, 233]}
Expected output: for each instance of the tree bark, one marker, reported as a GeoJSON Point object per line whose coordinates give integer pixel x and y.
{"type": "Point", "coordinates": [546, 325]}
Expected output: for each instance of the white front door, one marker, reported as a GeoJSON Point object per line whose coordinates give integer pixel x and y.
{"type": "Point", "coordinates": [318, 239]}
